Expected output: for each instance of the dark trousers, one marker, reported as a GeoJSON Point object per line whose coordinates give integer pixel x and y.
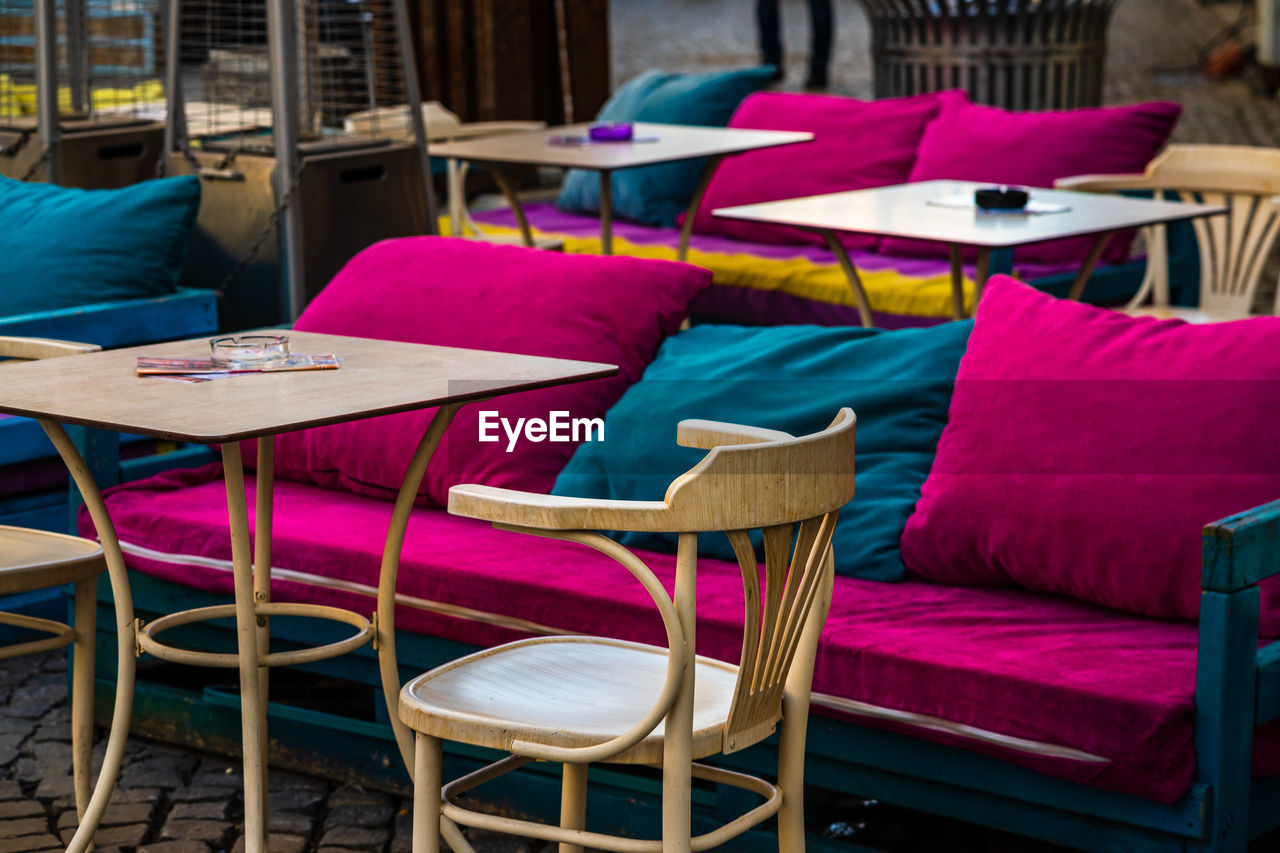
{"type": "Point", "coordinates": [821, 23]}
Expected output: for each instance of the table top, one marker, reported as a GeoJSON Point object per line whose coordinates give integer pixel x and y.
{"type": "Point", "coordinates": [904, 210]}
{"type": "Point", "coordinates": [673, 142]}
{"type": "Point", "coordinates": [103, 390]}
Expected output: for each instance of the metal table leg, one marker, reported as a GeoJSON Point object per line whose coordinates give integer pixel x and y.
{"type": "Point", "coordinates": [385, 619]}
{"type": "Point", "coordinates": [981, 272]}
{"type": "Point", "coordinates": [1090, 261]}
{"type": "Point", "coordinates": [686, 231]}
{"type": "Point", "coordinates": [957, 283]}
{"type": "Point", "coordinates": [508, 192]}
{"type": "Point", "coordinates": [253, 708]}
{"type": "Point", "coordinates": [606, 212]}
{"type": "Point", "coordinates": [851, 273]}
{"type": "Point", "coordinates": [126, 644]}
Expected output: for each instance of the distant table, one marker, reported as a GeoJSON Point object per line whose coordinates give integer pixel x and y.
{"type": "Point", "coordinates": [102, 390]}
{"type": "Point", "coordinates": [905, 210]}
{"type": "Point", "coordinates": [672, 143]}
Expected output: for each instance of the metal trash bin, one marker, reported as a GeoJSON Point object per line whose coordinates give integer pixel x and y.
{"type": "Point", "coordinates": [1016, 54]}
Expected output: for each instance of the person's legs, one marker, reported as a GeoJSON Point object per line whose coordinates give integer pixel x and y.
{"type": "Point", "coordinates": [822, 24]}
{"type": "Point", "coordinates": [768, 24]}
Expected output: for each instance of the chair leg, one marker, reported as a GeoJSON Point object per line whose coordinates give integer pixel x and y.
{"type": "Point", "coordinates": [82, 691]}
{"type": "Point", "coordinates": [573, 802]}
{"type": "Point", "coordinates": [427, 781]}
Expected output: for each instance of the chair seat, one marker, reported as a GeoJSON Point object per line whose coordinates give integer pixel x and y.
{"type": "Point", "coordinates": [562, 691]}
{"type": "Point", "coordinates": [1178, 312]}
{"type": "Point", "coordinates": [38, 559]}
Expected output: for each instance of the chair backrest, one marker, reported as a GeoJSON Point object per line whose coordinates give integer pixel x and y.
{"type": "Point", "coordinates": [1233, 248]}
{"type": "Point", "coordinates": [30, 349]}
{"type": "Point", "coordinates": [792, 490]}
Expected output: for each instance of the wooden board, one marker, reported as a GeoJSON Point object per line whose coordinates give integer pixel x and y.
{"type": "Point", "coordinates": [376, 378]}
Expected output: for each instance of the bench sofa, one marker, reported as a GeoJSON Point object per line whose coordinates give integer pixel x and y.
{"type": "Point", "coordinates": [1120, 704]}
{"type": "Point", "coordinates": [780, 274]}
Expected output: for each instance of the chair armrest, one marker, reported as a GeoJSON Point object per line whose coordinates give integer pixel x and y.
{"type": "Point", "coordinates": [708, 434]}
{"type": "Point", "coordinates": [33, 348]}
{"type": "Point", "coordinates": [1104, 183]}
{"type": "Point", "coordinates": [508, 507]}
{"type": "Point", "coordinates": [1241, 549]}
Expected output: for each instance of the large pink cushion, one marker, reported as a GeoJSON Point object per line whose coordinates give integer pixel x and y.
{"type": "Point", "coordinates": [1085, 450]}
{"type": "Point", "coordinates": [1058, 675]}
{"type": "Point", "coordinates": [857, 144]}
{"type": "Point", "coordinates": [449, 292]}
{"type": "Point", "coordinates": [971, 142]}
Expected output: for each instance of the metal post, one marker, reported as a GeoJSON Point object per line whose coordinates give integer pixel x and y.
{"type": "Point", "coordinates": [282, 47]}
{"type": "Point", "coordinates": [46, 21]}
{"type": "Point", "coordinates": [409, 67]}
{"type": "Point", "coordinates": [77, 55]}
{"type": "Point", "coordinates": [1268, 29]}
{"type": "Point", "coordinates": [173, 79]}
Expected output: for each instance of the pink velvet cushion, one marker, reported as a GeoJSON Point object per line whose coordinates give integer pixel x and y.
{"type": "Point", "coordinates": [1011, 663]}
{"type": "Point", "coordinates": [479, 295]}
{"type": "Point", "coordinates": [1085, 450]}
{"type": "Point", "coordinates": [971, 142]}
{"type": "Point", "coordinates": [857, 144]}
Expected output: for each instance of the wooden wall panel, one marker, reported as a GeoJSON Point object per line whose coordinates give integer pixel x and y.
{"type": "Point", "coordinates": [499, 59]}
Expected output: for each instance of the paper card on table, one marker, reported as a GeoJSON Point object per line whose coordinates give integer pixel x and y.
{"type": "Point", "coordinates": [160, 366]}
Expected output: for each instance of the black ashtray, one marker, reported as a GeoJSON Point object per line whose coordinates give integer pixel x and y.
{"type": "Point", "coordinates": [1000, 198]}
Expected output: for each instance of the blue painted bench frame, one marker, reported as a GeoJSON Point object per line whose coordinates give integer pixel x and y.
{"type": "Point", "coordinates": [1237, 688]}
{"type": "Point", "coordinates": [122, 323]}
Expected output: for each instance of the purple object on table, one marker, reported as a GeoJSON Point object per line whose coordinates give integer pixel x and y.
{"type": "Point", "coordinates": [611, 131]}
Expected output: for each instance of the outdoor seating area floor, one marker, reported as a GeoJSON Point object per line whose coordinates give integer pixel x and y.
{"type": "Point", "coordinates": [176, 800]}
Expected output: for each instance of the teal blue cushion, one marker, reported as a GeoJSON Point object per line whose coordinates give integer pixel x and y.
{"type": "Point", "coordinates": [656, 195]}
{"type": "Point", "coordinates": [792, 378]}
{"type": "Point", "coordinates": [62, 247]}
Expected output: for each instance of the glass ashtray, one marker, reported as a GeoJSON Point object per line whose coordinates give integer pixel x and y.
{"type": "Point", "coordinates": [249, 350]}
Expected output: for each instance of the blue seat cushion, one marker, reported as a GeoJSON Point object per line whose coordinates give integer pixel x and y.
{"type": "Point", "coordinates": [792, 378]}
{"type": "Point", "coordinates": [656, 195]}
{"type": "Point", "coordinates": [63, 248]}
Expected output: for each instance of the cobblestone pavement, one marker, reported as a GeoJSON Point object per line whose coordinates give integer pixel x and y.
{"type": "Point", "coordinates": [174, 800]}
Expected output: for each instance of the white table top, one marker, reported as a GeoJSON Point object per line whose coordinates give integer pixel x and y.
{"type": "Point", "coordinates": [903, 210]}
{"type": "Point", "coordinates": [377, 377]}
{"type": "Point", "coordinates": [673, 142]}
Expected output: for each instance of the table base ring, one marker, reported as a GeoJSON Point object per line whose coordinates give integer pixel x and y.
{"type": "Point", "coordinates": [230, 660]}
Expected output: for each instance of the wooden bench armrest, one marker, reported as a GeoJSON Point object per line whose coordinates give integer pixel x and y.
{"type": "Point", "coordinates": [1242, 549]}
{"type": "Point", "coordinates": [33, 348]}
{"type": "Point", "coordinates": [708, 434]}
{"type": "Point", "coordinates": [1104, 183]}
{"type": "Point", "coordinates": [511, 508]}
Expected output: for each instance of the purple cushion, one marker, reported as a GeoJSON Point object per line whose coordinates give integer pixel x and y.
{"type": "Point", "coordinates": [857, 144]}
{"type": "Point", "coordinates": [463, 293]}
{"type": "Point", "coordinates": [1007, 662]}
{"type": "Point", "coordinates": [1085, 450]}
{"type": "Point", "coordinates": [971, 142]}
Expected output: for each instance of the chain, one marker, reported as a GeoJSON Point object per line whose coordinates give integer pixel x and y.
{"type": "Point", "coordinates": [44, 155]}
{"type": "Point", "coordinates": [267, 230]}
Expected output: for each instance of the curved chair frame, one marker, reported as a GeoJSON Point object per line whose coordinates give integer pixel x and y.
{"type": "Point", "coordinates": [790, 488]}
{"type": "Point", "coordinates": [1234, 247]}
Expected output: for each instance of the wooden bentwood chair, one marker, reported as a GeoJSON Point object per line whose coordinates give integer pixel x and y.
{"type": "Point", "coordinates": [578, 700]}
{"type": "Point", "coordinates": [36, 559]}
{"type": "Point", "coordinates": [1233, 247]}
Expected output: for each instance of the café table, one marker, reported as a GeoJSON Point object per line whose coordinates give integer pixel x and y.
{"type": "Point", "coordinates": [102, 390]}
{"type": "Point", "coordinates": [926, 210]}
{"type": "Point", "coordinates": [652, 144]}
